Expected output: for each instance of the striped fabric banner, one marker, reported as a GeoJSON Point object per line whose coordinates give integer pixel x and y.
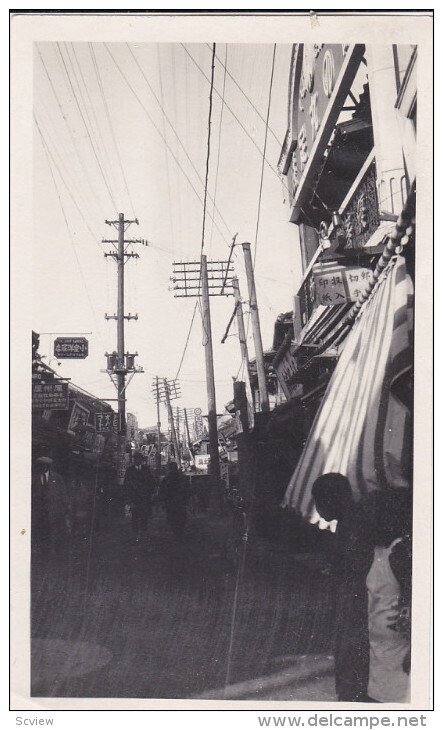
{"type": "Point", "coordinates": [361, 430]}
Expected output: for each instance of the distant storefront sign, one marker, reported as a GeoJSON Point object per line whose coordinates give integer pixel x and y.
{"type": "Point", "coordinates": [50, 396]}
{"type": "Point", "coordinates": [122, 465]}
{"type": "Point", "coordinates": [336, 285]}
{"type": "Point", "coordinates": [224, 473]}
{"type": "Point", "coordinates": [198, 422]}
{"type": "Point", "coordinates": [202, 462]}
{"type": "Point", "coordinates": [107, 422]}
{"type": "Point", "coordinates": [75, 348]}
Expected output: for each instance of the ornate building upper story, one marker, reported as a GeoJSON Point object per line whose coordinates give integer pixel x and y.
{"type": "Point", "coordinates": [348, 162]}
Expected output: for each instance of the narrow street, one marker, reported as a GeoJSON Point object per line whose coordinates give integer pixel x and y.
{"type": "Point", "coordinates": [171, 619]}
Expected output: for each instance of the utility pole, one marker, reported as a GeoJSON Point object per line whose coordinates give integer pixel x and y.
{"type": "Point", "coordinates": [205, 279]}
{"type": "Point", "coordinates": [119, 363]}
{"type": "Point", "coordinates": [177, 427]}
{"type": "Point", "coordinates": [210, 381]}
{"type": "Point", "coordinates": [158, 457]}
{"type": "Point", "coordinates": [187, 430]}
{"type": "Point", "coordinates": [256, 332]}
{"type": "Point", "coordinates": [241, 327]}
{"type": "Point", "coordinates": [171, 422]}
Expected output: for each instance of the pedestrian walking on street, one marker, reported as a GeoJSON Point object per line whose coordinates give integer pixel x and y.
{"type": "Point", "coordinates": [174, 493]}
{"type": "Point", "coordinates": [51, 510]}
{"type": "Point", "coordinates": [139, 486]}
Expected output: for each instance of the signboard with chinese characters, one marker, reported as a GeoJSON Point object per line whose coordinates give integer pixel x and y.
{"type": "Point", "coordinates": [50, 396]}
{"type": "Point", "coordinates": [122, 465]}
{"type": "Point", "coordinates": [107, 421]}
{"type": "Point", "coordinates": [335, 284]}
{"type": "Point", "coordinates": [224, 473]}
{"type": "Point", "coordinates": [79, 417]}
{"type": "Point", "coordinates": [202, 462]}
{"type": "Point", "coordinates": [198, 423]}
{"type": "Point", "coordinates": [72, 348]}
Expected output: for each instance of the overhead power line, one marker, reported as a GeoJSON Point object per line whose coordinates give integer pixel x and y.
{"type": "Point", "coordinates": [177, 161]}
{"type": "Point", "coordinates": [219, 137]}
{"type": "Point", "coordinates": [261, 187]}
{"type": "Point", "coordinates": [264, 155]}
{"type": "Point", "coordinates": [46, 146]}
{"type": "Point", "coordinates": [96, 133]}
{"type": "Point", "coordinates": [74, 143]}
{"type": "Point", "coordinates": [187, 340]}
{"type": "Point", "coordinates": [70, 235]}
{"type": "Point", "coordinates": [265, 121]}
{"type": "Point", "coordinates": [250, 137]}
{"type": "Point", "coordinates": [111, 126]}
{"type": "Point", "coordinates": [86, 129]}
{"type": "Point", "coordinates": [177, 136]}
{"type": "Point", "coordinates": [208, 147]}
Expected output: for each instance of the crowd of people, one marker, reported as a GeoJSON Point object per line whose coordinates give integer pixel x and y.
{"type": "Point", "coordinates": [65, 509]}
{"type": "Point", "coordinates": [370, 568]}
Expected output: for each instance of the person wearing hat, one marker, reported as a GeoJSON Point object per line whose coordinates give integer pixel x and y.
{"type": "Point", "coordinates": [139, 487]}
{"type": "Point", "coordinates": [50, 505]}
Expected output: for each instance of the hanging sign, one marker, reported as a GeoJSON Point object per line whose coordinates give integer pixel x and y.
{"type": "Point", "coordinates": [72, 348]}
{"type": "Point", "coordinates": [335, 284]}
{"type": "Point", "coordinates": [224, 473]}
{"type": "Point", "coordinates": [50, 396]}
{"type": "Point", "coordinates": [198, 422]}
{"type": "Point", "coordinates": [79, 417]}
{"type": "Point", "coordinates": [107, 422]}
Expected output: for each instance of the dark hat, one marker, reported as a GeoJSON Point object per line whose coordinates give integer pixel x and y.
{"type": "Point", "coordinates": [44, 460]}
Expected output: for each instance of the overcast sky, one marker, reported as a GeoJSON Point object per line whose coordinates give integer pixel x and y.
{"type": "Point", "coordinates": [103, 154]}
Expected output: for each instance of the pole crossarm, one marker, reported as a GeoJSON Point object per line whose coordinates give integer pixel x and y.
{"type": "Point", "coordinates": [187, 277]}
{"type": "Point", "coordinates": [160, 387]}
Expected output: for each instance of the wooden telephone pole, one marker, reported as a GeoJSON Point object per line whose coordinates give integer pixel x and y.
{"type": "Point", "coordinates": [206, 279]}
{"type": "Point", "coordinates": [119, 363]}
{"type": "Point", "coordinates": [165, 390]}
{"type": "Point", "coordinates": [241, 327]}
{"type": "Point", "coordinates": [158, 456]}
{"type": "Point", "coordinates": [256, 332]}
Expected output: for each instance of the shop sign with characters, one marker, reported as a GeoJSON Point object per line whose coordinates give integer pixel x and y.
{"type": "Point", "coordinates": [79, 417]}
{"type": "Point", "coordinates": [50, 396]}
{"type": "Point", "coordinates": [335, 284]}
{"type": "Point", "coordinates": [74, 348]}
{"type": "Point", "coordinates": [107, 422]}
{"type": "Point", "coordinates": [202, 462]}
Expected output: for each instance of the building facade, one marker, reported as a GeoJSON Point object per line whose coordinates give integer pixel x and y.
{"type": "Point", "coordinates": [348, 161]}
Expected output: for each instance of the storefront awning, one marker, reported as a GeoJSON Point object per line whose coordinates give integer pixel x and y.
{"type": "Point", "coordinates": [361, 428]}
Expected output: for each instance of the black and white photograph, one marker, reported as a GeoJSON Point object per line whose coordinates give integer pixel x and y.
{"type": "Point", "coordinates": [223, 432]}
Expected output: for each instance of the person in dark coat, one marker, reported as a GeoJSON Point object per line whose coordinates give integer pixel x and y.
{"type": "Point", "coordinates": [51, 509]}
{"type": "Point", "coordinates": [174, 493]}
{"type": "Point", "coordinates": [358, 532]}
{"type": "Point", "coordinates": [140, 488]}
